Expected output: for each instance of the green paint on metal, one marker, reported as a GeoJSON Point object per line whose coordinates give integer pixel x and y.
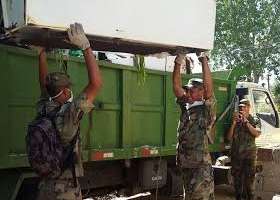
{"type": "Point", "coordinates": [127, 116]}
{"type": "Point", "coordinates": [126, 106]}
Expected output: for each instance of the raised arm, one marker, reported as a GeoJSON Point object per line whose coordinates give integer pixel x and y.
{"type": "Point", "coordinates": [77, 37]}
{"type": "Point", "coordinates": [177, 82]}
{"type": "Point", "coordinates": [233, 125]}
{"type": "Point", "coordinates": [207, 78]}
{"type": "Point", "coordinates": [253, 131]}
{"type": "Point", "coordinates": [94, 76]}
{"type": "Point", "coordinates": [43, 68]}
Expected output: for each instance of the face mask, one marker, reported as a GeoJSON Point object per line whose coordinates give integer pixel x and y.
{"type": "Point", "coordinates": [71, 97]}
{"type": "Point", "coordinates": [69, 100]}
{"type": "Point", "coordinates": [54, 97]}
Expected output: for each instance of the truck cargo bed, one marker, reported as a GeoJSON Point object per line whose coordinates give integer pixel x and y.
{"type": "Point", "coordinates": [129, 121]}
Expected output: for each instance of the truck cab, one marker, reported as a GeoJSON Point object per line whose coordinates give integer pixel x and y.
{"type": "Point", "coordinates": [263, 107]}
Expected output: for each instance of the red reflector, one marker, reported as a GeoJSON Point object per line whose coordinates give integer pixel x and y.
{"type": "Point", "coordinates": [145, 152]}
{"type": "Point", "coordinates": [97, 156]}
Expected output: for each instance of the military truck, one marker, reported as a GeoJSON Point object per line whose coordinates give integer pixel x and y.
{"type": "Point", "coordinates": [129, 139]}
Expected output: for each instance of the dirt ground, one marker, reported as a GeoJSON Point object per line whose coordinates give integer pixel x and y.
{"type": "Point", "coordinates": [222, 192]}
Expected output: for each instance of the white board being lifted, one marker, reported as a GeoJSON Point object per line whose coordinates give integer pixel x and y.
{"type": "Point", "coordinates": [143, 26]}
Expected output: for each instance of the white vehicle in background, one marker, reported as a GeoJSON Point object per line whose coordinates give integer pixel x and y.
{"type": "Point", "coordinates": [265, 109]}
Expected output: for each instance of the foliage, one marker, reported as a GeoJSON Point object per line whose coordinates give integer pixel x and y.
{"type": "Point", "coordinates": [248, 36]}
{"type": "Point", "coordinates": [276, 93]}
{"type": "Point", "coordinates": [61, 57]}
{"type": "Point", "coordinates": [139, 62]}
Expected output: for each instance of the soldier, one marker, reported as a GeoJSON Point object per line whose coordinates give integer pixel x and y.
{"type": "Point", "coordinates": [242, 133]}
{"type": "Point", "coordinates": [197, 103]}
{"type": "Point", "coordinates": [56, 93]}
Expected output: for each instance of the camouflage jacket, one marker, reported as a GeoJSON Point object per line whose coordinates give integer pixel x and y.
{"type": "Point", "coordinates": [67, 123]}
{"type": "Point", "coordinates": [193, 133]}
{"type": "Point", "coordinates": [243, 143]}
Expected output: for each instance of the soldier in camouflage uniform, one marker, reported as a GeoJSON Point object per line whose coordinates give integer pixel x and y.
{"type": "Point", "coordinates": [197, 103]}
{"type": "Point", "coordinates": [56, 93]}
{"type": "Point", "coordinates": [242, 133]}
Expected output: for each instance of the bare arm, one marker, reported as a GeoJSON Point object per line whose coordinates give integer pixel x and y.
{"type": "Point", "coordinates": [94, 76]}
{"type": "Point", "coordinates": [253, 131]}
{"type": "Point", "coordinates": [77, 37]}
{"type": "Point", "coordinates": [207, 78]}
{"type": "Point", "coordinates": [176, 76]}
{"type": "Point", "coordinates": [177, 82]}
{"type": "Point", "coordinates": [232, 127]}
{"type": "Point", "coordinates": [43, 69]}
{"type": "Point", "coordinates": [231, 131]}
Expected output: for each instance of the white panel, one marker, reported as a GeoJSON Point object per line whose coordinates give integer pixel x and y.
{"type": "Point", "coordinates": [13, 13]}
{"type": "Point", "coordinates": [188, 23]}
{"type": "Point", "coordinates": [269, 136]}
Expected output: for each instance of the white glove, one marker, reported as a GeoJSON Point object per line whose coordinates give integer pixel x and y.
{"type": "Point", "coordinates": [180, 59]}
{"type": "Point", "coordinates": [203, 55]}
{"type": "Point", "coordinates": [77, 36]}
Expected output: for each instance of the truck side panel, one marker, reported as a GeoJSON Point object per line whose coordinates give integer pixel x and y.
{"type": "Point", "coordinates": [129, 120]}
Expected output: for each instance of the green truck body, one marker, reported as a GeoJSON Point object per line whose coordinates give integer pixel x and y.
{"type": "Point", "coordinates": [129, 120]}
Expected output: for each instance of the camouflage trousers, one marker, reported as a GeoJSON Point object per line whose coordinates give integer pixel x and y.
{"type": "Point", "coordinates": [59, 189]}
{"type": "Point", "coordinates": [198, 183]}
{"type": "Point", "coordinates": [243, 172]}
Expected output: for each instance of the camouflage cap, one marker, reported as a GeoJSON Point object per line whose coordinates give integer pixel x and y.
{"type": "Point", "coordinates": [58, 79]}
{"type": "Point", "coordinates": [195, 82]}
{"type": "Point", "coordinates": [244, 102]}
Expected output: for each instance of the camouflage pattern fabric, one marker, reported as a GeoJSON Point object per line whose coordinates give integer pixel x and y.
{"type": "Point", "coordinates": [243, 159]}
{"type": "Point", "coordinates": [244, 177]}
{"type": "Point", "coordinates": [184, 117]}
{"type": "Point", "coordinates": [198, 183]}
{"type": "Point", "coordinates": [60, 189]}
{"type": "Point", "coordinates": [210, 118]}
{"type": "Point", "coordinates": [192, 147]}
{"type": "Point", "coordinates": [243, 143]}
{"type": "Point", "coordinates": [67, 124]}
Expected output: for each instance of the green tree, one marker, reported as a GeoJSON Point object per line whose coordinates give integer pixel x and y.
{"type": "Point", "coordinates": [248, 36]}
{"type": "Point", "coordinates": [276, 93]}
